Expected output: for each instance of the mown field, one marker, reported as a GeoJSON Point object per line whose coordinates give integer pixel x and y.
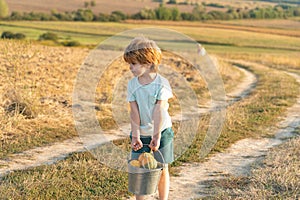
{"type": "Point", "coordinates": [40, 78]}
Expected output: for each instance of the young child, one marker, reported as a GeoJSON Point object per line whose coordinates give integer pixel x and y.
{"type": "Point", "coordinates": [148, 93]}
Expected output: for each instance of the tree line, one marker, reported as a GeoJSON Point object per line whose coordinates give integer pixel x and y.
{"type": "Point", "coordinates": [162, 12]}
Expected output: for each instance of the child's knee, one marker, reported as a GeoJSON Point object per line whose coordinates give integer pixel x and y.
{"type": "Point", "coordinates": [165, 169]}
{"type": "Point", "coordinates": [165, 166]}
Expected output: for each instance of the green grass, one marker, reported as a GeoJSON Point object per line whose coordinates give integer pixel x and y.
{"type": "Point", "coordinates": [92, 33]}
{"type": "Point", "coordinates": [33, 33]}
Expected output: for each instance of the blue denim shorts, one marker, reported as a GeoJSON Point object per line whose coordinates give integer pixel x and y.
{"type": "Point", "coordinates": [165, 154]}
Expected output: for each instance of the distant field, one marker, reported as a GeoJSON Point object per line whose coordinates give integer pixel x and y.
{"type": "Point", "coordinates": [102, 6]}
{"type": "Point", "coordinates": [239, 38]}
{"type": "Point", "coordinates": [126, 6]}
{"type": "Point", "coordinates": [292, 24]}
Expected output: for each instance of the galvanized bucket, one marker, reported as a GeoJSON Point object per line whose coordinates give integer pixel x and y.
{"type": "Point", "coordinates": [143, 181]}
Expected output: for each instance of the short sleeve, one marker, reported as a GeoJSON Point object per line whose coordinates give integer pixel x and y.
{"type": "Point", "coordinates": [165, 91]}
{"type": "Point", "coordinates": [130, 92]}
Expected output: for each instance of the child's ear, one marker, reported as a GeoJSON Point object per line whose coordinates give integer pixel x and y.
{"type": "Point", "coordinates": [153, 67]}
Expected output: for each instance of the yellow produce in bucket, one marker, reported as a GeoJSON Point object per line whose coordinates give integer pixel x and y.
{"type": "Point", "coordinates": [135, 163]}
{"type": "Point", "coordinates": [147, 161]}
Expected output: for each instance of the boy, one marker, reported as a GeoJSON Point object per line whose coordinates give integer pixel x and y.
{"type": "Point", "coordinates": [148, 93]}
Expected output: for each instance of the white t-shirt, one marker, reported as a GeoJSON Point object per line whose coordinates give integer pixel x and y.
{"type": "Point", "coordinates": [146, 97]}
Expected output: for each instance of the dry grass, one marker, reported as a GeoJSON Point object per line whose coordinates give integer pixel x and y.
{"type": "Point", "coordinates": [277, 177]}
{"type": "Point", "coordinates": [38, 82]}
{"type": "Point", "coordinates": [79, 177]}
{"type": "Point", "coordinates": [43, 76]}
{"type": "Point", "coordinates": [228, 72]}
{"type": "Point", "coordinates": [287, 24]}
{"type": "Point", "coordinates": [281, 61]}
{"type": "Point", "coordinates": [36, 87]}
{"type": "Point", "coordinates": [281, 27]}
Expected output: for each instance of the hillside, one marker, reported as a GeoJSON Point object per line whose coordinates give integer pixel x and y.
{"type": "Point", "coordinates": [103, 6]}
{"type": "Point", "coordinates": [126, 6]}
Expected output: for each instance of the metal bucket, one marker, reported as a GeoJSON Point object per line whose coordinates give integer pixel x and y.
{"type": "Point", "coordinates": [143, 181]}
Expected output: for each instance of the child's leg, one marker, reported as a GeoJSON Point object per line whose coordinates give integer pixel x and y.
{"type": "Point", "coordinates": [164, 184]}
{"type": "Point", "coordinates": [165, 155]}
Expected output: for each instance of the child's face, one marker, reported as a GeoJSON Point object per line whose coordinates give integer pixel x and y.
{"type": "Point", "coordinates": [138, 69]}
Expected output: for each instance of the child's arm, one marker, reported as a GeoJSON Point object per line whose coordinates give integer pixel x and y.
{"type": "Point", "coordinates": [157, 118]}
{"type": "Point", "coordinates": [136, 143]}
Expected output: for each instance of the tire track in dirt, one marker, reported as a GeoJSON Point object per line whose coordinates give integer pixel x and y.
{"type": "Point", "coordinates": [50, 154]}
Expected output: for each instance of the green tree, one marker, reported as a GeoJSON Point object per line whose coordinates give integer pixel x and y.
{"type": "Point", "coordinates": [214, 14]}
{"type": "Point", "coordinates": [163, 13]}
{"type": "Point", "coordinates": [102, 17]}
{"type": "Point", "coordinates": [187, 16]}
{"type": "Point", "coordinates": [86, 4]}
{"type": "Point", "coordinates": [4, 11]}
{"type": "Point", "coordinates": [233, 13]}
{"type": "Point", "coordinates": [118, 15]}
{"type": "Point", "coordinates": [19, 36]}
{"type": "Point", "coordinates": [71, 43]}
{"type": "Point", "coordinates": [66, 16]}
{"type": "Point", "coordinates": [93, 3]}
{"type": "Point", "coordinates": [84, 15]}
{"type": "Point", "coordinates": [198, 12]}
{"type": "Point", "coordinates": [176, 15]}
{"type": "Point", "coordinates": [172, 2]}
{"type": "Point", "coordinates": [297, 11]}
{"type": "Point", "coordinates": [7, 35]}
{"type": "Point", "coordinates": [48, 36]}
{"type": "Point", "coordinates": [16, 15]}
{"type": "Point", "coordinates": [10, 35]}
{"type": "Point", "coordinates": [145, 13]}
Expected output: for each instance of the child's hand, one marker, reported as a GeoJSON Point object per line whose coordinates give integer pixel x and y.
{"type": "Point", "coordinates": [155, 142]}
{"type": "Point", "coordinates": [136, 143]}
